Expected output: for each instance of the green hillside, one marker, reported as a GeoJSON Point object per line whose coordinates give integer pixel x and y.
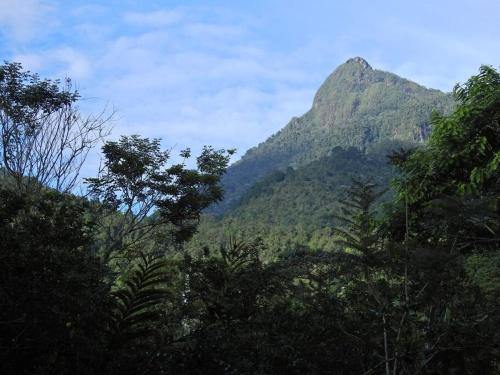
{"type": "Point", "coordinates": [296, 208]}
{"type": "Point", "coordinates": [307, 195]}
{"type": "Point", "coordinates": [356, 106]}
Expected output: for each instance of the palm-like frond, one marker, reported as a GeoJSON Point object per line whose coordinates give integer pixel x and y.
{"type": "Point", "coordinates": [138, 302]}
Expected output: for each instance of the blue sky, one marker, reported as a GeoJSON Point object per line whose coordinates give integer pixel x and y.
{"type": "Point", "coordinates": [231, 73]}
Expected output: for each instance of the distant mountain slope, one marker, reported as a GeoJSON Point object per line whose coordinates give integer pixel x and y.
{"type": "Point", "coordinates": [296, 207]}
{"type": "Point", "coordinates": [356, 106]}
{"type": "Point", "coordinates": [309, 194]}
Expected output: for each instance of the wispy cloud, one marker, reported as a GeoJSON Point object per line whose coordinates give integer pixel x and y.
{"type": "Point", "coordinates": [231, 75]}
{"type": "Point", "coordinates": [158, 18]}
{"type": "Point", "coordinates": [64, 62]}
{"type": "Point", "coordinates": [21, 20]}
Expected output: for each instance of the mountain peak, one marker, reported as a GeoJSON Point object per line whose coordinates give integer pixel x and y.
{"type": "Point", "coordinates": [352, 77]}
{"type": "Point", "coordinates": [356, 106]}
{"type": "Point", "coordinates": [359, 60]}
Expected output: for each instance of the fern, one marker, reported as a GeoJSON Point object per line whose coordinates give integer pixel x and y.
{"type": "Point", "coordinates": [138, 304]}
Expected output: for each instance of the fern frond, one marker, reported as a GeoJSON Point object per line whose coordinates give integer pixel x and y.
{"type": "Point", "coordinates": [138, 302]}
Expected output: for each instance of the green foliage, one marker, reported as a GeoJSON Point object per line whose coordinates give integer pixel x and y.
{"type": "Point", "coordinates": [361, 234]}
{"type": "Point", "coordinates": [450, 220]}
{"type": "Point", "coordinates": [462, 156]}
{"type": "Point", "coordinates": [137, 181]}
{"type": "Point", "coordinates": [52, 297]}
{"type": "Point", "coordinates": [250, 317]}
{"type": "Point", "coordinates": [484, 270]}
{"type": "Point", "coordinates": [25, 98]}
{"type": "Point", "coordinates": [454, 179]}
{"type": "Point", "coordinates": [134, 336]}
{"type": "Point", "coordinates": [138, 302]}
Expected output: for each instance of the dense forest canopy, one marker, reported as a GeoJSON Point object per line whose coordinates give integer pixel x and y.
{"type": "Point", "coordinates": [396, 282]}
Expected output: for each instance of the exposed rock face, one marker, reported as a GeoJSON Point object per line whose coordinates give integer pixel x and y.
{"type": "Point", "coordinates": [360, 61]}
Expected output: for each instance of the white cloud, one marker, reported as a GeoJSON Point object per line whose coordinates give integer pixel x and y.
{"type": "Point", "coordinates": [199, 83]}
{"type": "Point", "coordinates": [22, 19]}
{"type": "Point", "coordinates": [155, 19]}
{"type": "Point", "coordinates": [88, 10]}
{"type": "Point", "coordinates": [63, 62]}
{"type": "Point", "coordinates": [435, 57]}
{"type": "Point", "coordinates": [186, 80]}
{"type": "Point", "coordinates": [213, 30]}
{"type": "Point", "coordinates": [75, 63]}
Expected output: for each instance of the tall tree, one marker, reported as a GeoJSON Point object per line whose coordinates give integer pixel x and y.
{"type": "Point", "coordinates": [44, 137]}
{"type": "Point", "coordinates": [137, 181]}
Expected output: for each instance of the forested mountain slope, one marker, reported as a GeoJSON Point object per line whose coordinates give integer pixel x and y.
{"type": "Point", "coordinates": [296, 208]}
{"type": "Point", "coordinates": [357, 106]}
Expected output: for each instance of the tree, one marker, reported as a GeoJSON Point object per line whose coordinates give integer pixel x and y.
{"type": "Point", "coordinates": [448, 207]}
{"type": "Point", "coordinates": [57, 310]}
{"type": "Point", "coordinates": [137, 181]}
{"type": "Point", "coordinates": [455, 179]}
{"type": "Point", "coordinates": [53, 301]}
{"type": "Point", "coordinates": [52, 296]}
{"type": "Point", "coordinates": [44, 138]}
{"type": "Point", "coordinates": [463, 153]}
{"type": "Point", "coordinates": [362, 237]}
